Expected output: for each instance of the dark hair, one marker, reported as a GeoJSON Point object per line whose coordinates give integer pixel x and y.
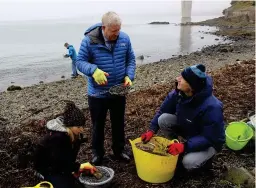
{"type": "Point", "coordinates": [72, 115]}
{"type": "Point", "coordinates": [66, 44]}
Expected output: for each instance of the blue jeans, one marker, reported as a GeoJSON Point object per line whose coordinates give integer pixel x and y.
{"type": "Point", "coordinates": [74, 70]}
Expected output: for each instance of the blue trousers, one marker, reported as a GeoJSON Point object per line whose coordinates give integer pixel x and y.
{"type": "Point", "coordinates": [74, 70]}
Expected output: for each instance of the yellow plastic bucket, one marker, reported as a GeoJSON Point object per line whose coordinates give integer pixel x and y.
{"type": "Point", "coordinates": [44, 184]}
{"type": "Point", "coordinates": [154, 168]}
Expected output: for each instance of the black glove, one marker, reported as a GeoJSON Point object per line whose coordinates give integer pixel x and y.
{"type": "Point", "coordinates": [82, 138]}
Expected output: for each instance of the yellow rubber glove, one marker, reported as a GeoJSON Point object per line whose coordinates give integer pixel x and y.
{"type": "Point", "coordinates": [85, 168]}
{"type": "Point", "coordinates": [88, 168]}
{"type": "Point", "coordinates": [127, 81]}
{"type": "Point", "coordinates": [100, 77]}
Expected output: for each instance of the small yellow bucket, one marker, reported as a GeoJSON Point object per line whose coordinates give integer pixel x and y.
{"type": "Point", "coordinates": [154, 168]}
{"type": "Point", "coordinates": [44, 184]}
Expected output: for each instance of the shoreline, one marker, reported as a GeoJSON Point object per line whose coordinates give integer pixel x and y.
{"type": "Point", "coordinates": [174, 57]}
{"type": "Point", "coordinates": [16, 105]}
{"type": "Point", "coordinates": [43, 76]}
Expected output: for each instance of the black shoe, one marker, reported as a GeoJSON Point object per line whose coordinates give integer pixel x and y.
{"type": "Point", "coordinates": [208, 165]}
{"type": "Point", "coordinates": [123, 157]}
{"type": "Point", "coordinates": [97, 160]}
{"type": "Point", "coordinates": [74, 76]}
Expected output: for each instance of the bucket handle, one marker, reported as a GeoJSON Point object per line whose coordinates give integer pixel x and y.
{"type": "Point", "coordinates": [175, 141]}
{"type": "Point", "coordinates": [41, 184]}
{"type": "Point", "coordinates": [244, 140]}
{"type": "Point", "coordinates": [243, 120]}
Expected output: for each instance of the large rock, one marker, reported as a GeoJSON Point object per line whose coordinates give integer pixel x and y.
{"type": "Point", "coordinates": [159, 23]}
{"type": "Point", "coordinates": [240, 176]}
{"type": "Point", "coordinates": [13, 88]}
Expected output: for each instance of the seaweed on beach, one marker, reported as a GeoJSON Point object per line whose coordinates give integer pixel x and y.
{"type": "Point", "coordinates": [234, 85]}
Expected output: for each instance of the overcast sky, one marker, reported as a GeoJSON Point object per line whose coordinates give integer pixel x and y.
{"type": "Point", "coordinates": [11, 10]}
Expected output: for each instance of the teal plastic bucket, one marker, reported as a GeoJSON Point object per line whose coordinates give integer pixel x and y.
{"type": "Point", "coordinates": [238, 135]}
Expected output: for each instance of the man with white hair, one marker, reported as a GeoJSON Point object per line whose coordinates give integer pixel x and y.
{"type": "Point", "coordinates": [106, 58]}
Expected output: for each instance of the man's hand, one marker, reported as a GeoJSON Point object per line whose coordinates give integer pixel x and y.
{"type": "Point", "coordinates": [145, 137]}
{"type": "Point", "coordinates": [100, 77]}
{"type": "Point", "coordinates": [65, 55]}
{"type": "Point", "coordinates": [127, 81]}
{"type": "Point", "coordinates": [175, 148]}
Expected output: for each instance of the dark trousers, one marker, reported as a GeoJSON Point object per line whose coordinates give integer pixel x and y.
{"type": "Point", "coordinates": [98, 110]}
{"type": "Point", "coordinates": [63, 181]}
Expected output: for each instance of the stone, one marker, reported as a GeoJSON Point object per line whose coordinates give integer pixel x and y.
{"type": "Point", "coordinates": [240, 176]}
{"type": "Point", "coordinates": [141, 57]}
{"type": "Point", "coordinates": [223, 50]}
{"type": "Point", "coordinates": [13, 88]}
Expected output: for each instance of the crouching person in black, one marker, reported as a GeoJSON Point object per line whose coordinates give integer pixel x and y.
{"type": "Point", "coordinates": [55, 156]}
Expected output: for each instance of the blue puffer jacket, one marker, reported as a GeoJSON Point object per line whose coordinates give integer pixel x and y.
{"type": "Point", "coordinates": [72, 52]}
{"type": "Point", "coordinates": [200, 118]}
{"type": "Point", "coordinates": [93, 54]}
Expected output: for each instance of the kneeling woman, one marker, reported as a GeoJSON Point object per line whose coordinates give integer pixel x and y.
{"type": "Point", "coordinates": [55, 156]}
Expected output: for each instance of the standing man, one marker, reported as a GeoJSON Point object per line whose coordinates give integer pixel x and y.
{"type": "Point", "coordinates": [106, 57]}
{"type": "Point", "coordinates": [72, 55]}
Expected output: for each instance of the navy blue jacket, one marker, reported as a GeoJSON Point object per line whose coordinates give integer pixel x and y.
{"type": "Point", "coordinates": [118, 62]}
{"type": "Point", "coordinates": [200, 118]}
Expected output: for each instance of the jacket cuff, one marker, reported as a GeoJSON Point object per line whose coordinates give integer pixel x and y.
{"type": "Point", "coordinates": [76, 167]}
{"type": "Point", "coordinates": [93, 69]}
{"type": "Point", "coordinates": [152, 131]}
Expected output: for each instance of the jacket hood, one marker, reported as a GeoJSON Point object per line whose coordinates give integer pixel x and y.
{"type": "Point", "coordinates": [56, 125]}
{"type": "Point", "coordinates": [98, 25]}
{"type": "Point", "coordinates": [207, 90]}
{"type": "Point", "coordinates": [95, 34]}
{"type": "Point", "coordinates": [70, 46]}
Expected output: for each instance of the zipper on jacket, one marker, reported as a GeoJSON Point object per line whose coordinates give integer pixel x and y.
{"type": "Point", "coordinates": [114, 63]}
{"type": "Point", "coordinates": [103, 46]}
